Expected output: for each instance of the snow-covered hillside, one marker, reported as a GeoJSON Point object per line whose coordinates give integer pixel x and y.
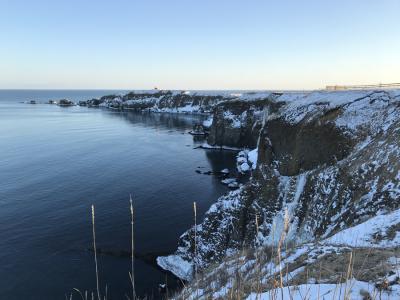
{"type": "Point", "coordinates": [330, 161]}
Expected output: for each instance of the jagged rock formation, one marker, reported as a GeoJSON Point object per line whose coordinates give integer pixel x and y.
{"type": "Point", "coordinates": [330, 160]}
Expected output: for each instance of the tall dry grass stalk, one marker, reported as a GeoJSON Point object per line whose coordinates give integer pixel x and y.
{"type": "Point", "coordinates": [349, 274]}
{"type": "Point", "coordinates": [279, 250]}
{"type": "Point", "coordinates": [132, 274]}
{"type": "Point", "coordinates": [95, 254]}
{"type": "Point", "coordinates": [258, 265]}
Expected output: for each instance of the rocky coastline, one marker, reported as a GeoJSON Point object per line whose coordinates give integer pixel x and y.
{"type": "Point", "coordinates": [326, 161]}
{"type": "Point", "coordinates": [322, 164]}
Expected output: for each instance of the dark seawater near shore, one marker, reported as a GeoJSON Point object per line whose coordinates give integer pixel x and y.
{"type": "Point", "coordinates": [57, 161]}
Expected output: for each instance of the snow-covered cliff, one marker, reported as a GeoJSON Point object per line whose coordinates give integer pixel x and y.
{"type": "Point", "coordinates": [328, 160]}
{"type": "Point", "coordinates": [172, 101]}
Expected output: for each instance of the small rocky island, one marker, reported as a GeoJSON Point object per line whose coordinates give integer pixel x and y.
{"type": "Point", "coordinates": [65, 102]}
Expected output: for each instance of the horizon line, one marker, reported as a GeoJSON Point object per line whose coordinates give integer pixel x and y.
{"type": "Point", "coordinates": [138, 89]}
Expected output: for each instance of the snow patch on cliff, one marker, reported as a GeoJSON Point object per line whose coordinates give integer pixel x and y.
{"type": "Point", "coordinates": [381, 231]}
{"type": "Point", "coordinates": [289, 204]}
{"type": "Point", "coordinates": [252, 157]}
{"type": "Point", "coordinates": [235, 121]}
{"type": "Point", "coordinates": [207, 123]}
{"type": "Point", "coordinates": [246, 160]}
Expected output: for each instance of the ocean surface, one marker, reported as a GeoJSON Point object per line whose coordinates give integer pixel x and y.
{"type": "Point", "coordinates": [55, 162]}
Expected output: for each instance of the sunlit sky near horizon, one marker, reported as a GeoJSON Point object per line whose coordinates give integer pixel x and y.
{"type": "Point", "coordinates": [207, 44]}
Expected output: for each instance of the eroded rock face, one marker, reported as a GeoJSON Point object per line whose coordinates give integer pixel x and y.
{"type": "Point", "coordinates": [238, 123]}
{"type": "Point", "coordinates": [304, 146]}
{"type": "Point", "coordinates": [327, 160]}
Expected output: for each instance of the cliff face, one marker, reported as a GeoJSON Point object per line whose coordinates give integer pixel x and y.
{"type": "Point", "coordinates": [237, 116]}
{"type": "Point", "coordinates": [238, 123]}
{"type": "Point", "coordinates": [329, 160]}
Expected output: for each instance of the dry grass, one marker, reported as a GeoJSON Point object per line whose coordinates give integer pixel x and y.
{"type": "Point", "coordinates": [195, 249]}
{"type": "Point", "coordinates": [269, 270]}
{"type": "Point", "coordinates": [85, 295]}
{"type": "Point", "coordinates": [95, 253]}
{"type": "Point", "coordinates": [132, 274]}
{"type": "Point", "coordinates": [367, 263]}
{"type": "Point", "coordinates": [339, 267]}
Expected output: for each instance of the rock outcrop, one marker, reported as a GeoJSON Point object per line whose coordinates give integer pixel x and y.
{"type": "Point", "coordinates": [328, 160]}
{"type": "Point", "coordinates": [238, 123]}
{"type": "Point", "coordinates": [163, 101]}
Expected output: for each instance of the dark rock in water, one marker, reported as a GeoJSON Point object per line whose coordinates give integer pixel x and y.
{"type": "Point", "coordinates": [52, 102]}
{"type": "Point", "coordinates": [221, 174]}
{"type": "Point", "coordinates": [82, 103]}
{"type": "Point", "coordinates": [198, 130]}
{"type": "Point", "coordinates": [32, 102]}
{"type": "Point", "coordinates": [65, 102]}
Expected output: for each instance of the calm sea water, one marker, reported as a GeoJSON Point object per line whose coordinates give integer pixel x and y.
{"type": "Point", "coordinates": [56, 162]}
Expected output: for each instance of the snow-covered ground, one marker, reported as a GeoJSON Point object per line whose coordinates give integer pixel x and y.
{"type": "Point", "coordinates": [352, 289]}
{"type": "Point", "coordinates": [381, 231]}
{"type": "Point", "coordinates": [360, 107]}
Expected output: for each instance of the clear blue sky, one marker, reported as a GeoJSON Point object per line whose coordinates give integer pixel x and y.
{"type": "Point", "coordinates": [198, 44]}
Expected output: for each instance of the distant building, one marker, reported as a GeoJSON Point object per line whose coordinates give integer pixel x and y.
{"type": "Point", "coordinates": [362, 87]}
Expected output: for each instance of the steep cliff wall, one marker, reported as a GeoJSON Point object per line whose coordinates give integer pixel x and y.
{"type": "Point", "coordinates": [238, 123]}
{"type": "Point", "coordinates": [330, 160]}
